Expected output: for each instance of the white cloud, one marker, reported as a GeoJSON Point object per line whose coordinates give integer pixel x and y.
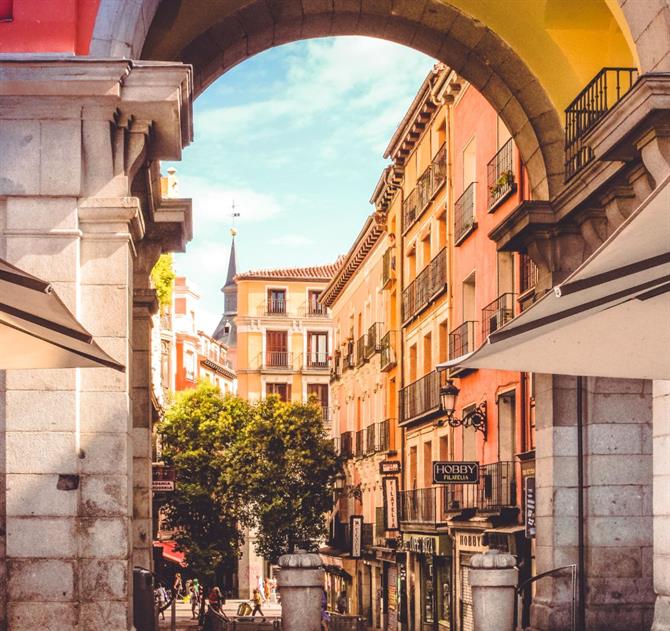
{"type": "Point", "coordinates": [291, 239]}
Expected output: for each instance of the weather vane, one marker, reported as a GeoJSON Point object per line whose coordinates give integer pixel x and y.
{"type": "Point", "coordinates": [234, 215]}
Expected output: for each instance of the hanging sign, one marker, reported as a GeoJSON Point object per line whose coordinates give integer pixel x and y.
{"type": "Point", "coordinates": [389, 467]}
{"type": "Point", "coordinates": [529, 505]}
{"type": "Point", "coordinates": [162, 478]}
{"type": "Point", "coordinates": [356, 536]}
{"type": "Point", "coordinates": [390, 503]}
{"type": "Point", "coordinates": [457, 472]}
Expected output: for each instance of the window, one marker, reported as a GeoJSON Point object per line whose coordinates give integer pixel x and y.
{"type": "Point", "coordinates": [189, 365]}
{"type": "Point", "coordinates": [313, 305]}
{"type": "Point", "coordinates": [505, 262]}
{"type": "Point", "coordinates": [317, 349]}
{"type": "Point", "coordinates": [469, 298]}
{"type": "Point", "coordinates": [425, 250]}
{"type": "Point", "coordinates": [428, 588]}
{"type": "Point", "coordinates": [444, 447]}
{"type": "Point", "coordinates": [276, 301]}
{"type": "Point", "coordinates": [276, 345]}
{"type": "Point", "coordinates": [427, 353]}
{"type": "Point", "coordinates": [443, 341]}
{"type": "Point", "coordinates": [412, 363]}
{"type": "Point", "coordinates": [180, 306]}
{"type": "Point", "coordinates": [442, 231]}
{"type": "Point", "coordinates": [412, 468]}
{"type": "Point", "coordinates": [427, 464]}
{"type": "Point", "coordinates": [320, 391]}
{"type": "Point", "coordinates": [282, 390]}
{"type": "Point", "coordinates": [469, 164]}
{"type": "Point", "coordinates": [443, 589]}
{"type": "Point", "coordinates": [6, 10]}
{"type": "Point", "coordinates": [506, 427]}
{"type": "Point", "coordinates": [411, 265]}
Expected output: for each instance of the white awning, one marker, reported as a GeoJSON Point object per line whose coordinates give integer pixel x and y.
{"type": "Point", "coordinates": [610, 318]}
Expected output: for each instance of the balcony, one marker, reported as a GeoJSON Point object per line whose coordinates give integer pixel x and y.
{"type": "Point", "coordinates": [349, 356]}
{"type": "Point", "coordinates": [529, 274]}
{"type": "Point", "coordinates": [418, 506]}
{"type": "Point", "coordinates": [464, 214]}
{"type": "Point", "coordinates": [346, 444]}
{"type": "Point", "coordinates": [430, 182]}
{"type": "Point", "coordinates": [388, 267]}
{"type": "Point", "coordinates": [373, 342]}
{"type": "Point", "coordinates": [367, 536]}
{"type": "Point", "coordinates": [383, 435]}
{"type": "Point", "coordinates": [497, 313]}
{"type": "Point", "coordinates": [277, 360]}
{"type": "Point", "coordinates": [590, 106]}
{"type": "Point", "coordinates": [275, 307]}
{"type": "Point", "coordinates": [497, 490]}
{"type": "Point", "coordinates": [462, 340]}
{"type": "Point", "coordinates": [388, 357]}
{"type": "Point", "coordinates": [421, 398]}
{"type": "Point", "coordinates": [500, 175]}
{"type": "Point", "coordinates": [336, 366]}
{"type": "Point", "coordinates": [360, 443]}
{"type": "Point", "coordinates": [370, 441]}
{"type": "Point", "coordinates": [316, 361]}
{"type": "Point", "coordinates": [360, 350]}
{"type": "Point", "coordinates": [430, 282]}
{"type": "Point", "coordinates": [316, 310]}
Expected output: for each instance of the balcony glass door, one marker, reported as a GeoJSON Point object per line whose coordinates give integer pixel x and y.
{"type": "Point", "coordinates": [276, 353]}
{"type": "Point", "coordinates": [317, 350]}
{"type": "Point", "coordinates": [320, 391]}
{"type": "Point", "coordinates": [276, 301]}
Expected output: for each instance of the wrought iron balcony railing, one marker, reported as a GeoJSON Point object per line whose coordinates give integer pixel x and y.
{"type": "Point", "coordinates": [410, 209]}
{"type": "Point", "coordinates": [350, 356]}
{"type": "Point", "coordinates": [430, 181]}
{"type": "Point", "coordinates": [462, 339]}
{"type": "Point", "coordinates": [529, 274]}
{"type": "Point", "coordinates": [388, 355]}
{"type": "Point", "coordinates": [360, 350]}
{"type": "Point", "coordinates": [418, 506]}
{"type": "Point", "coordinates": [500, 174]}
{"type": "Point", "coordinates": [383, 435]}
{"type": "Point", "coordinates": [316, 361]}
{"type": "Point", "coordinates": [601, 94]}
{"type": "Point", "coordinates": [336, 366]}
{"type": "Point", "coordinates": [464, 213]}
{"type": "Point", "coordinates": [497, 489]}
{"type": "Point", "coordinates": [373, 343]}
{"type": "Point", "coordinates": [497, 313]}
{"type": "Point", "coordinates": [388, 267]}
{"type": "Point", "coordinates": [346, 444]}
{"type": "Point", "coordinates": [421, 397]}
{"type": "Point", "coordinates": [370, 441]}
{"type": "Point", "coordinates": [431, 281]}
{"type": "Point", "coordinates": [277, 359]}
{"type": "Point", "coordinates": [360, 443]}
{"type": "Point", "coordinates": [276, 307]}
{"type": "Point", "coordinates": [316, 310]}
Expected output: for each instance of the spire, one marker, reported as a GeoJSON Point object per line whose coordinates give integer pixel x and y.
{"type": "Point", "coordinates": [232, 262]}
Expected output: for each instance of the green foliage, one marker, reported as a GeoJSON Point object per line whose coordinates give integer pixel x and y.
{"type": "Point", "coordinates": [162, 276]}
{"type": "Point", "coordinates": [267, 466]}
{"type": "Point", "coordinates": [195, 435]}
{"type": "Point", "coordinates": [283, 466]}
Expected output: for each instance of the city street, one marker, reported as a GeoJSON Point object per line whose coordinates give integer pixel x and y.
{"type": "Point", "coordinates": [185, 620]}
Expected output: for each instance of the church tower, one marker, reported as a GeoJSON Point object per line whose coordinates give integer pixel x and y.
{"type": "Point", "coordinates": [226, 331]}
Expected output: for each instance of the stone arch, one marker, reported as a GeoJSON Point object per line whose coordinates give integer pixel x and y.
{"type": "Point", "coordinates": [648, 25]}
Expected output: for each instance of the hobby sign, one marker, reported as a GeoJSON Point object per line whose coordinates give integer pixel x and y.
{"type": "Point", "coordinates": [455, 472]}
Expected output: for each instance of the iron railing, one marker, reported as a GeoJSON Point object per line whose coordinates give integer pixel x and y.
{"type": "Point", "coordinates": [316, 361]}
{"type": "Point", "coordinates": [500, 174]}
{"type": "Point", "coordinates": [346, 444]}
{"type": "Point", "coordinates": [464, 213]}
{"type": "Point", "coordinates": [360, 443]}
{"type": "Point", "coordinates": [350, 356]}
{"type": "Point", "coordinates": [529, 274]}
{"type": "Point", "coordinates": [383, 436]}
{"type": "Point", "coordinates": [418, 506]}
{"type": "Point", "coordinates": [421, 397]}
{"type": "Point", "coordinates": [370, 439]}
{"type": "Point", "coordinates": [430, 281]}
{"type": "Point", "coordinates": [410, 209]}
{"type": "Point", "coordinates": [276, 307]}
{"type": "Point", "coordinates": [497, 313]}
{"type": "Point", "coordinates": [497, 489]}
{"type": "Point", "coordinates": [590, 106]}
{"type": "Point", "coordinates": [388, 266]}
{"type": "Point", "coordinates": [278, 359]}
{"type": "Point", "coordinates": [316, 309]}
{"type": "Point", "coordinates": [360, 350]}
{"type": "Point", "coordinates": [388, 356]}
{"type": "Point", "coordinates": [373, 342]}
{"type": "Point", "coordinates": [336, 366]}
{"type": "Point", "coordinates": [462, 339]}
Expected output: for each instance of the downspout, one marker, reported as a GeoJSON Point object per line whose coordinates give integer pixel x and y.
{"type": "Point", "coordinates": [581, 611]}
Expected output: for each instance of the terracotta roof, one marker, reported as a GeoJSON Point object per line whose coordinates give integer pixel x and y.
{"type": "Point", "coordinates": [315, 272]}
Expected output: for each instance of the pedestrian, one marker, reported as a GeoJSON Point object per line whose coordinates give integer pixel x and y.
{"type": "Point", "coordinates": [177, 586]}
{"type": "Point", "coordinates": [260, 587]}
{"type": "Point", "coordinates": [193, 597]}
{"type": "Point", "coordinates": [267, 589]}
{"type": "Point", "coordinates": [342, 602]}
{"type": "Point", "coordinates": [215, 599]}
{"type": "Point", "coordinates": [258, 601]}
{"type": "Point", "coordinates": [325, 616]}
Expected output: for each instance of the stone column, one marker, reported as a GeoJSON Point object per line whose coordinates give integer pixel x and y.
{"type": "Point", "coordinates": [301, 588]}
{"type": "Point", "coordinates": [493, 578]}
{"type": "Point", "coordinates": [71, 150]}
{"type": "Point", "coordinates": [617, 501]}
{"type": "Point", "coordinates": [661, 405]}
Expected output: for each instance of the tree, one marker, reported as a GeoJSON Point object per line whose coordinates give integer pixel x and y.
{"type": "Point", "coordinates": [163, 276]}
{"type": "Point", "coordinates": [196, 432]}
{"type": "Point", "coordinates": [283, 468]}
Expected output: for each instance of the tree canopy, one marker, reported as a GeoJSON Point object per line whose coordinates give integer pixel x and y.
{"type": "Point", "coordinates": [265, 465]}
{"type": "Point", "coordinates": [163, 276]}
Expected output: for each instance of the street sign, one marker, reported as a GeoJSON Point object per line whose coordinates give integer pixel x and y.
{"type": "Point", "coordinates": [390, 503]}
{"type": "Point", "coordinates": [162, 478]}
{"type": "Point", "coordinates": [529, 502]}
{"type": "Point", "coordinates": [356, 529]}
{"type": "Point", "coordinates": [389, 467]}
{"type": "Point", "coordinates": [456, 472]}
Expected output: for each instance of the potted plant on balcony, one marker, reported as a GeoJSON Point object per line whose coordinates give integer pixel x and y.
{"type": "Point", "coordinates": [503, 183]}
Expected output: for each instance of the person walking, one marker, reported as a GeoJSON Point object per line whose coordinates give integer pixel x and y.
{"type": "Point", "coordinates": [258, 601]}
{"type": "Point", "coordinates": [177, 586]}
{"type": "Point", "coordinates": [215, 599]}
{"type": "Point", "coordinates": [193, 597]}
{"type": "Point", "coordinates": [325, 616]}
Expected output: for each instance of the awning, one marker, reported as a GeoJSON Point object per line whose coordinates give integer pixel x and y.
{"type": "Point", "coordinates": [38, 331]}
{"type": "Point", "coordinates": [610, 318]}
{"type": "Point", "coordinates": [169, 552]}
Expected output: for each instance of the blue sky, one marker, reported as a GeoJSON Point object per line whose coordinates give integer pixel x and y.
{"type": "Point", "coordinates": [295, 136]}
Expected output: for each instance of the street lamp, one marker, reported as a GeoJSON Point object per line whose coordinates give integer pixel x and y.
{"type": "Point", "coordinates": [474, 418]}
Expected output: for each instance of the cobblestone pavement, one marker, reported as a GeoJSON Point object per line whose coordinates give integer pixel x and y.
{"type": "Point", "coordinates": [185, 620]}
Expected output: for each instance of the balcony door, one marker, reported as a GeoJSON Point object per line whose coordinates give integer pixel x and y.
{"type": "Point", "coordinates": [320, 391]}
{"type": "Point", "coordinates": [313, 305]}
{"type": "Point", "coordinates": [282, 390]}
{"type": "Point", "coordinates": [276, 301]}
{"type": "Point", "coordinates": [276, 349]}
{"type": "Point", "coordinates": [317, 349]}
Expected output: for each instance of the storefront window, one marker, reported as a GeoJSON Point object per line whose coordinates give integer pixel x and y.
{"type": "Point", "coordinates": [443, 588]}
{"type": "Point", "coordinates": [428, 589]}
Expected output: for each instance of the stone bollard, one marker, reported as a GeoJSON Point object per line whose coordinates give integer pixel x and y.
{"type": "Point", "coordinates": [493, 579]}
{"type": "Point", "coordinates": [300, 587]}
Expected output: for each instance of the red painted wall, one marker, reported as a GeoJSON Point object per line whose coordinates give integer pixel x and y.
{"type": "Point", "coordinates": [47, 26]}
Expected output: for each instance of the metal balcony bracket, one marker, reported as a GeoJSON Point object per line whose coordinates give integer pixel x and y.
{"type": "Point", "coordinates": [475, 418]}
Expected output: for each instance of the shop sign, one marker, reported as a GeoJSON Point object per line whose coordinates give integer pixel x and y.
{"type": "Point", "coordinates": [162, 478]}
{"type": "Point", "coordinates": [356, 536]}
{"type": "Point", "coordinates": [457, 472]}
{"type": "Point", "coordinates": [389, 467]}
{"type": "Point", "coordinates": [427, 545]}
{"type": "Point", "coordinates": [391, 517]}
{"type": "Point", "coordinates": [529, 506]}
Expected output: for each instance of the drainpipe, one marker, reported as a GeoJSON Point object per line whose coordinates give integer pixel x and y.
{"type": "Point", "coordinates": [581, 612]}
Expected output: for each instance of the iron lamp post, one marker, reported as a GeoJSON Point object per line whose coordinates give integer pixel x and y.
{"type": "Point", "coordinates": [474, 418]}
